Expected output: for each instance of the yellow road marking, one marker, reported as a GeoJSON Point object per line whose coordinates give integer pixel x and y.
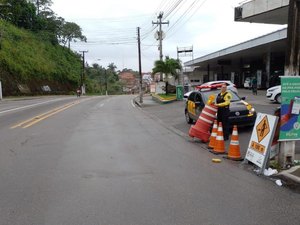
{"type": "Point", "coordinates": [38, 118]}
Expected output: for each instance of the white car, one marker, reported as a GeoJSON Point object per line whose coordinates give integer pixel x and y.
{"type": "Point", "coordinates": [274, 93]}
{"type": "Point", "coordinates": [186, 95]}
{"type": "Point", "coordinates": [229, 84]}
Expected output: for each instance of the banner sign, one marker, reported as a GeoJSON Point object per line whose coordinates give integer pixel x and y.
{"type": "Point", "coordinates": [262, 135]}
{"type": "Point", "coordinates": [290, 108]}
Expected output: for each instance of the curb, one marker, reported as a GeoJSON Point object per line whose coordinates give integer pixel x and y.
{"type": "Point", "coordinates": [136, 101]}
{"type": "Point", "coordinates": [288, 174]}
{"type": "Point", "coordinates": [154, 98]}
{"type": "Point", "coordinates": [161, 101]}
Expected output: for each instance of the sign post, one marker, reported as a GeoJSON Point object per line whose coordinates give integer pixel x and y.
{"type": "Point", "coordinates": [262, 135]}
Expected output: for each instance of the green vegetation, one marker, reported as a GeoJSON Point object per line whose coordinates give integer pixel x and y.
{"type": "Point", "coordinates": [167, 97]}
{"type": "Point", "coordinates": [27, 58]}
{"type": "Point", "coordinates": [169, 67]}
{"type": "Point", "coordinates": [100, 78]}
{"type": "Point", "coordinates": [35, 54]}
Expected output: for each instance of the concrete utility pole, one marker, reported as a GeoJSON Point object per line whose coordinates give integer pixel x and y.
{"type": "Point", "coordinates": [0, 90]}
{"type": "Point", "coordinates": [291, 68]}
{"type": "Point", "coordinates": [82, 86]}
{"type": "Point", "coordinates": [160, 32]}
{"type": "Point", "coordinates": [292, 60]}
{"type": "Point", "coordinates": [160, 36]}
{"type": "Point", "coordinates": [105, 73]}
{"type": "Point", "coordinates": [38, 6]}
{"type": "Point", "coordinates": [140, 65]}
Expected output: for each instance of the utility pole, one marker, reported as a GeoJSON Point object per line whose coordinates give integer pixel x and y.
{"type": "Point", "coordinates": [82, 78]}
{"type": "Point", "coordinates": [291, 68]}
{"type": "Point", "coordinates": [292, 60]}
{"type": "Point", "coordinates": [0, 90]}
{"type": "Point", "coordinates": [160, 35]}
{"type": "Point", "coordinates": [140, 65]}
{"type": "Point", "coordinates": [38, 6]}
{"type": "Point", "coordinates": [105, 73]}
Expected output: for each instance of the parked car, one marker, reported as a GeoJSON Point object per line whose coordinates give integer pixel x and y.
{"type": "Point", "coordinates": [248, 82]}
{"type": "Point", "coordinates": [230, 85]}
{"type": "Point", "coordinates": [274, 94]}
{"type": "Point", "coordinates": [241, 112]}
{"type": "Point", "coordinates": [186, 95]}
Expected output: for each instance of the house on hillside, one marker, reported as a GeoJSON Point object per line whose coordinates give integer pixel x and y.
{"type": "Point", "coordinates": [129, 81]}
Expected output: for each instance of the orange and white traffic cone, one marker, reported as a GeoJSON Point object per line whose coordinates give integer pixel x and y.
{"type": "Point", "coordinates": [201, 129]}
{"type": "Point", "coordinates": [213, 136]}
{"type": "Point", "coordinates": [234, 147]}
{"type": "Point", "coordinates": [219, 147]}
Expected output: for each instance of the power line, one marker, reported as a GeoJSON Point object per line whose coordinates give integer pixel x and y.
{"type": "Point", "coordinates": [181, 18]}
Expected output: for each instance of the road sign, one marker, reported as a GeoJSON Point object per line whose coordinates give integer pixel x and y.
{"type": "Point", "coordinates": [262, 129]}
{"type": "Point", "coordinates": [262, 135]}
{"type": "Point", "coordinates": [290, 108]}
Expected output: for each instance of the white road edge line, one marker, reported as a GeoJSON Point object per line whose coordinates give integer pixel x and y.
{"type": "Point", "coordinates": [28, 106]}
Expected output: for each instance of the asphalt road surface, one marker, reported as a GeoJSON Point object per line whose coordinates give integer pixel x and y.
{"type": "Point", "coordinates": [102, 160]}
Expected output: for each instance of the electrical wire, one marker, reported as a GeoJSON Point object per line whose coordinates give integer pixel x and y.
{"type": "Point", "coordinates": [172, 28]}
{"type": "Point", "coordinates": [119, 33]}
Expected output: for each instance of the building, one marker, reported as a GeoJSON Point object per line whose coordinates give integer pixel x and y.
{"type": "Point", "coordinates": [129, 81]}
{"type": "Point", "coordinates": [263, 56]}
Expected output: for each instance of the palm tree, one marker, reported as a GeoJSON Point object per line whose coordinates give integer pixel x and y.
{"type": "Point", "coordinates": [169, 67]}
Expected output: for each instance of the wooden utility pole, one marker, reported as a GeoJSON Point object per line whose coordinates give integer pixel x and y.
{"type": "Point", "coordinates": [291, 68]}
{"type": "Point", "coordinates": [140, 65]}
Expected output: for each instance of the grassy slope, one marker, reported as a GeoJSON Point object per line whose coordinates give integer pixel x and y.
{"type": "Point", "coordinates": [25, 58]}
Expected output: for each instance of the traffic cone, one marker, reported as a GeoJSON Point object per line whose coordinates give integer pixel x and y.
{"type": "Point", "coordinates": [234, 147]}
{"type": "Point", "coordinates": [203, 125]}
{"type": "Point", "coordinates": [213, 136]}
{"type": "Point", "coordinates": [219, 147]}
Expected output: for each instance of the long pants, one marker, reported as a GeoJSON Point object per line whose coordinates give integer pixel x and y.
{"type": "Point", "coordinates": [254, 90]}
{"type": "Point", "coordinates": [223, 116]}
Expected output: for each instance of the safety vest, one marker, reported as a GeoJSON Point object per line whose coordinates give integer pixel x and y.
{"type": "Point", "coordinates": [220, 99]}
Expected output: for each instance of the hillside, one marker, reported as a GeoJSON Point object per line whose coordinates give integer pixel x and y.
{"type": "Point", "coordinates": [29, 62]}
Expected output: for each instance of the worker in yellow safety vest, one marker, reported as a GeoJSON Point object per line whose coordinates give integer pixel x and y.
{"type": "Point", "coordinates": [223, 103]}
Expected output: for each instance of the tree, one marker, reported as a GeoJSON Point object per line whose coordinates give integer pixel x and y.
{"type": "Point", "coordinates": [102, 79]}
{"type": "Point", "coordinates": [20, 13]}
{"type": "Point", "coordinates": [70, 31]}
{"type": "Point", "coordinates": [43, 6]}
{"type": "Point", "coordinates": [113, 76]}
{"type": "Point", "coordinates": [169, 67]}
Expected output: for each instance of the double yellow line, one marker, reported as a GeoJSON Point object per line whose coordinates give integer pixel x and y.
{"type": "Point", "coordinates": [36, 119]}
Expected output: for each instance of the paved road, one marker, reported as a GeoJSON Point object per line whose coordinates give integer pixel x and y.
{"type": "Point", "coordinates": [104, 161]}
{"type": "Point", "coordinates": [173, 115]}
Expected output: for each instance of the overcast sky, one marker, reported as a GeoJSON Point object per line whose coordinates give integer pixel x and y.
{"type": "Point", "coordinates": [111, 28]}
